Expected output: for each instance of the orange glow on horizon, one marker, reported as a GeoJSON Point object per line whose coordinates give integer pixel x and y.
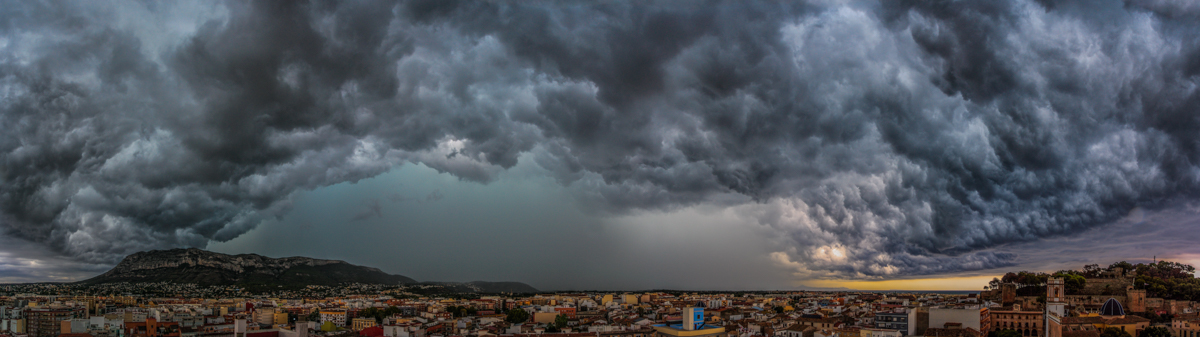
{"type": "Point", "coordinates": [974, 283]}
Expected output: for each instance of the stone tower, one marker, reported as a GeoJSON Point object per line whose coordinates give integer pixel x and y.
{"type": "Point", "coordinates": [1008, 293]}
{"type": "Point", "coordinates": [1136, 299]}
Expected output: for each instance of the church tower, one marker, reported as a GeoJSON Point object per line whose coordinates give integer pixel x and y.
{"type": "Point", "coordinates": [1056, 306]}
{"type": "Point", "coordinates": [1056, 296]}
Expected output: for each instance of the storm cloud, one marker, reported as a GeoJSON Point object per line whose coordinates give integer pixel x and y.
{"type": "Point", "coordinates": [877, 138]}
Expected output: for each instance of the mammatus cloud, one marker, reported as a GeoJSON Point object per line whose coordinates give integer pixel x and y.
{"type": "Point", "coordinates": [879, 139]}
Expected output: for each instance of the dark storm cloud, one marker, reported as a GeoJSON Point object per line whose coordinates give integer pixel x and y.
{"type": "Point", "coordinates": [22, 262]}
{"type": "Point", "coordinates": [893, 138]}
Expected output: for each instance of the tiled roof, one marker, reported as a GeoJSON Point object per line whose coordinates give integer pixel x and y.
{"type": "Point", "coordinates": [1082, 320]}
{"type": "Point", "coordinates": [1081, 333]}
{"type": "Point", "coordinates": [800, 327]}
{"type": "Point", "coordinates": [1128, 319]}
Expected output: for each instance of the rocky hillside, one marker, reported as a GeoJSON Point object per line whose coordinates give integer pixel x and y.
{"type": "Point", "coordinates": [209, 268]}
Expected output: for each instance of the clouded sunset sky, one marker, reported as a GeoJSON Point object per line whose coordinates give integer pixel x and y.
{"type": "Point", "coordinates": [716, 145]}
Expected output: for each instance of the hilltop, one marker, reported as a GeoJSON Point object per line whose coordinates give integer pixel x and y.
{"type": "Point", "coordinates": [208, 268]}
{"type": "Point", "coordinates": [257, 272]}
{"type": "Point", "coordinates": [1144, 287]}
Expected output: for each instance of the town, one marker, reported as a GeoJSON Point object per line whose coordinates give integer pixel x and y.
{"type": "Point", "coordinates": [1095, 302]}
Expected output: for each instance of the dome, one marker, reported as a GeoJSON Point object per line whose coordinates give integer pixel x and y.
{"type": "Point", "coordinates": [1112, 308]}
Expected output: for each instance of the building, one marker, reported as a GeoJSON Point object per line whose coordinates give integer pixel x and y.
{"type": "Point", "coordinates": [1185, 326]}
{"type": "Point", "coordinates": [971, 317]}
{"type": "Point", "coordinates": [952, 332]}
{"type": "Point", "coordinates": [892, 321]}
{"type": "Point", "coordinates": [75, 325]}
{"type": "Point", "coordinates": [630, 298]}
{"type": "Point", "coordinates": [626, 333]}
{"type": "Point", "coordinates": [1028, 323]}
{"type": "Point", "coordinates": [337, 317]}
{"type": "Point", "coordinates": [13, 325]}
{"type": "Point", "coordinates": [265, 315]}
{"type": "Point", "coordinates": [1008, 293]}
{"type": "Point", "coordinates": [568, 311]}
{"type": "Point", "coordinates": [1112, 315]}
{"type": "Point", "coordinates": [543, 317]}
{"type": "Point", "coordinates": [44, 322]}
{"type": "Point", "coordinates": [797, 330]}
{"type": "Point", "coordinates": [1056, 307]}
{"type": "Point", "coordinates": [152, 328]}
{"type": "Point", "coordinates": [918, 321]}
{"type": "Point", "coordinates": [868, 332]}
{"type": "Point", "coordinates": [820, 323]}
{"type": "Point", "coordinates": [358, 324]}
{"type": "Point", "coordinates": [692, 326]}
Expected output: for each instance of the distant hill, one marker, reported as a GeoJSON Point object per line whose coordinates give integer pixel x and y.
{"type": "Point", "coordinates": [1162, 279]}
{"type": "Point", "coordinates": [434, 288]}
{"type": "Point", "coordinates": [256, 272]}
{"type": "Point", "coordinates": [209, 268]}
{"type": "Point", "coordinates": [503, 287]}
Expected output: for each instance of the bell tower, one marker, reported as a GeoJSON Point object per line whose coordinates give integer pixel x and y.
{"type": "Point", "coordinates": [1056, 296]}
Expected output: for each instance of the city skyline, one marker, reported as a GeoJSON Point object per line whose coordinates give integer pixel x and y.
{"type": "Point", "coordinates": [727, 145]}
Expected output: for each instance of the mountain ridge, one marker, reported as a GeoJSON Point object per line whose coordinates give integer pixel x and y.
{"type": "Point", "coordinates": [202, 267]}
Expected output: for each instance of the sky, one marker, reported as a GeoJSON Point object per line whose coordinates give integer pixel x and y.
{"type": "Point", "coordinates": [715, 145]}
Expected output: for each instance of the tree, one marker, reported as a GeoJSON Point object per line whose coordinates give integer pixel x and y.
{"type": "Point", "coordinates": [560, 321]}
{"type": "Point", "coordinates": [552, 326]}
{"type": "Point", "coordinates": [392, 310]}
{"type": "Point", "coordinates": [1155, 331]}
{"type": "Point", "coordinates": [1072, 281]}
{"type": "Point", "coordinates": [1008, 333]}
{"type": "Point", "coordinates": [1124, 265]}
{"type": "Point", "coordinates": [1114, 332]}
{"type": "Point", "coordinates": [517, 316]}
{"type": "Point", "coordinates": [371, 313]}
{"type": "Point", "coordinates": [778, 309]}
{"type": "Point", "coordinates": [458, 311]}
{"type": "Point", "coordinates": [314, 316]}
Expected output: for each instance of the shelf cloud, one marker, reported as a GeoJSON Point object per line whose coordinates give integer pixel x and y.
{"type": "Point", "coordinates": [879, 139]}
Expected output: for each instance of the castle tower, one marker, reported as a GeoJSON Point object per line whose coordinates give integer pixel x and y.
{"type": "Point", "coordinates": [1008, 293]}
{"type": "Point", "coordinates": [1136, 299]}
